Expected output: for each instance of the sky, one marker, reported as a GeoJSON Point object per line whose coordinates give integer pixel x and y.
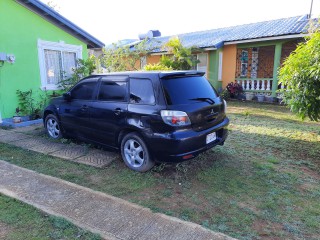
{"type": "Point", "coordinates": [114, 20]}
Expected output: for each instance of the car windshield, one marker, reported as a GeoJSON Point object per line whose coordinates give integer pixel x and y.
{"type": "Point", "coordinates": [186, 90]}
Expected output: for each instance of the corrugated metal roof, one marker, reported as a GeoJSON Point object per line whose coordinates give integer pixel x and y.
{"type": "Point", "coordinates": [216, 37]}
{"type": "Point", "coordinates": [48, 13]}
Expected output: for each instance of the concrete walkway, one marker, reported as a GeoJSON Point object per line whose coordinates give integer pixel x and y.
{"type": "Point", "coordinates": [34, 138]}
{"type": "Point", "coordinates": [111, 217]}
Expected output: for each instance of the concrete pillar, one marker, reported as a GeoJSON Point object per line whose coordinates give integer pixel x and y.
{"type": "Point", "coordinates": [276, 65]}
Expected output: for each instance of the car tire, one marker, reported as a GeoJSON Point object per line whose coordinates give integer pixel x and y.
{"type": "Point", "coordinates": [135, 153]}
{"type": "Point", "coordinates": [52, 127]}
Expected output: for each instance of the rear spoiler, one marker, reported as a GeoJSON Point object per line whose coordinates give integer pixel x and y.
{"type": "Point", "coordinates": [177, 74]}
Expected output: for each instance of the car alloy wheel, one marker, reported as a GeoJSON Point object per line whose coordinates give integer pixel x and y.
{"type": "Point", "coordinates": [135, 153]}
{"type": "Point", "coordinates": [53, 127]}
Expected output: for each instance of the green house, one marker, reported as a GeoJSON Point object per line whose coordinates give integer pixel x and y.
{"type": "Point", "coordinates": [38, 47]}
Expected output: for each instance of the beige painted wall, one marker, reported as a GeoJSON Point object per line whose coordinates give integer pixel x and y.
{"type": "Point", "coordinates": [152, 59]}
{"type": "Point", "coordinates": [229, 64]}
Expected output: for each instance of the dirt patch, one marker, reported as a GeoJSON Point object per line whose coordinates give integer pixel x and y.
{"type": "Point", "coordinates": [311, 173]}
{"type": "Point", "coordinates": [265, 230]}
{"type": "Point", "coordinates": [4, 230]}
{"type": "Point", "coordinates": [249, 206]}
{"type": "Point", "coordinates": [307, 187]}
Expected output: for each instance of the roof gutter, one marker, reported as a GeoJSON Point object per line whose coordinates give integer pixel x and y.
{"type": "Point", "coordinates": [158, 53]}
{"type": "Point", "coordinates": [267, 39]}
{"type": "Point", "coordinates": [210, 49]}
{"type": "Point", "coordinates": [165, 52]}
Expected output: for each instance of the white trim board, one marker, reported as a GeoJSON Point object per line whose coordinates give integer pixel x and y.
{"type": "Point", "coordinates": [267, 39]}
{"type": "Point", "coordinates": [58, 46]}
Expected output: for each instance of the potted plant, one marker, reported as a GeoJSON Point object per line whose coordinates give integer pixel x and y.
{"type": "Point", "coordinates": [249, 96]}
{"type": "Point", "coordinates": [17, 118]}
{"type": "Point", "coordinates": [269, 98]}
{"type": "Point", "coordinates": [260, 97]}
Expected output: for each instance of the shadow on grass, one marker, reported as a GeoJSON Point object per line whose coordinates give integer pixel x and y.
{"type": "Point", "coordinates": [226, 189]}
{"type": "Point", "coordinates": [281, 147]}
{"type": "Point", "coordinates": [275, 119]}
{"type": "Point", "coordinates": [283, 123]}
{"type": "Point", "coordinates": [259, 105]}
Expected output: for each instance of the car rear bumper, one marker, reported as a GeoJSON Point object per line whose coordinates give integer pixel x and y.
{"type": "Point", "coordinates": [184, 145]}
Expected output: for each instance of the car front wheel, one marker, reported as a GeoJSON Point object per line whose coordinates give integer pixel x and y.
{"type": "Point", "coordinates": [135, 153]}
{"type": "Point", "coordinates": [52, 126]}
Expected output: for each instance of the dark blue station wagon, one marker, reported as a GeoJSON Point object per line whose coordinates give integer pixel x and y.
{"type": "Point", "coordinates": [149, 116]}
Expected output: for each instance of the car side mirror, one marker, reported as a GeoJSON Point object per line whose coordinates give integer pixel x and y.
{"type": "Point", "coordinates": [67, 96]}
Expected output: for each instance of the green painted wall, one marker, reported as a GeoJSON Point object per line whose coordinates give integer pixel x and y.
{"type": "Point", "coordinates": [214, 69]}
{"type": "Point", "coordinates": [20, 30]}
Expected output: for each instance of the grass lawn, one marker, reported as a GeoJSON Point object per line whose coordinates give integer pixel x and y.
{"type": "Point", "coordinates": [21, 221]}
{"type": "Point", "coordinates": [262, 184]}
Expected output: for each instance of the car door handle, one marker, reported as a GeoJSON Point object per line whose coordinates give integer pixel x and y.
{"type": "Point", "coordinates": [118, 111]}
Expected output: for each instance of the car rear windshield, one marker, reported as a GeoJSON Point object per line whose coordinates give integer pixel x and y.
{"type": "Point", "coordinates": [186, 90]}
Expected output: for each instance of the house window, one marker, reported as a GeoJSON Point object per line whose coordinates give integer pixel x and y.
{"type": "Point", "coordinates": [202, 65]}
{"type": "Point", "coordinates": [244, 63]}
{"type": "Point", "coordinates": [56, 61]}
{"type": "Point", "coordinates": [254, 62]}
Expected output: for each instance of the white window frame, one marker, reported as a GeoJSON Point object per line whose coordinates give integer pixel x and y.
{"type": "Point", "coordinates": [206, 71]}
{"type": "Point", "coordinates": [55, 46]}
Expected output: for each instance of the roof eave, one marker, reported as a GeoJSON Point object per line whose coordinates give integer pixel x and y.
{"type": "Point", "coordinates": [283, 37]}
{"type": "Point", "coordinates": [54, 17]}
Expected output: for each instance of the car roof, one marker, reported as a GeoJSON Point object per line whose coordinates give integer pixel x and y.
{"type": "Point", "coordinates": [161, 74]}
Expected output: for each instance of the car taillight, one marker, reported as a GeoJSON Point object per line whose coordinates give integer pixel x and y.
{"type": "Point", "coordinates": [175, 118]}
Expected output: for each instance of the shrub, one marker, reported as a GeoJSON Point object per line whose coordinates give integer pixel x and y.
{"type": "Point", "coordinates": [30, 105]}
{"type": "Point", "coordinates": [300, 74]}
{"type": "Point", "coordinates": [84, 68]}
{"type": "Point", "coordinates": [157, 67]}
{"type": "Point", "coordinates": [234, 89]}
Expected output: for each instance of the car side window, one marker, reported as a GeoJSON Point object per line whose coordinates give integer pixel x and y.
{"type": "Point", "coordinates": [141, 91]}
{"type": "Point", "coordinates": [113, 91]}
{"type": "Point", "coordinates": [84, 90]}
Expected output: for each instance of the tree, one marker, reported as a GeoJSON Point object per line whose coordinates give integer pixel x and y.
{"type": "Point", "coordinates": [300, 74]}
{"type": "Point", "coordinates": [178, 57]}
{"type": "Point", "coordinates": [52, 4]}
{"type": "Point", "coordinates": [120, 58]}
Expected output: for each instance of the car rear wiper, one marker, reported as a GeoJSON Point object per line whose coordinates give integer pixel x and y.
{"type": "Point", "coordinates": [204, 99]}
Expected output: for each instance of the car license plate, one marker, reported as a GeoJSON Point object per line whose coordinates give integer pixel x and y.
{"type": "Point", "coordinates": [211, 137]}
